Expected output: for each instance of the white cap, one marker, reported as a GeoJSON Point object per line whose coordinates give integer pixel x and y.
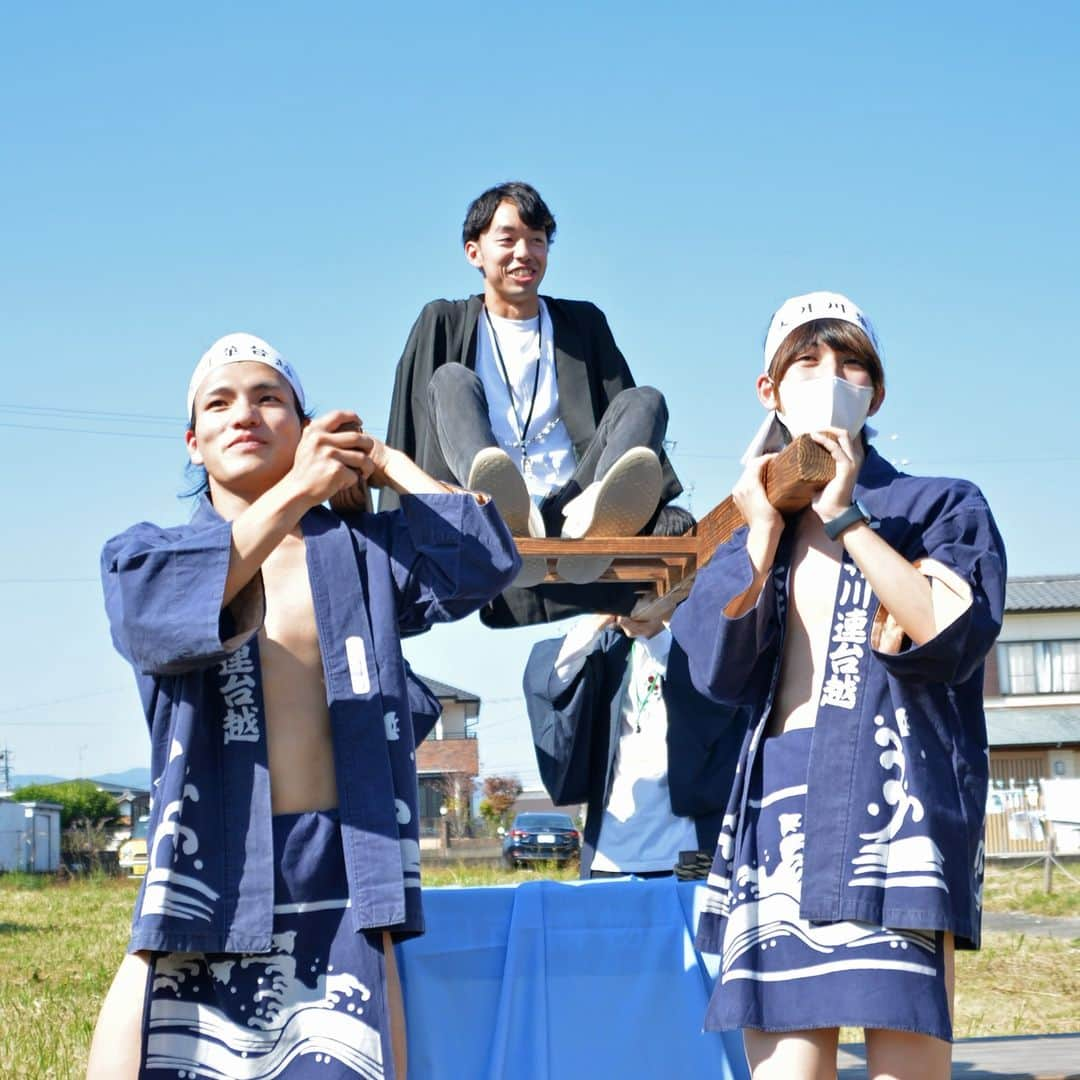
{"type": "Point", "coordinates": [800, 310]}
{"type": "Point", "coordinates": [235, 349]}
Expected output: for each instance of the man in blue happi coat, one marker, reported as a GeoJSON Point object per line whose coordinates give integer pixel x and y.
{"type": "Point", "coordinates": [265, 638]}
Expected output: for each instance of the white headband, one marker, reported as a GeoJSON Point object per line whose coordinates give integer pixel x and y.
{"type": "Point", "coordinates": [234, 349]}
{"type": "Point", "coordinates": [800, 310]}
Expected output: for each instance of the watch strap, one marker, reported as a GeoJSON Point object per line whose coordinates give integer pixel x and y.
{"type": "Point", "coordinates": [854, 513]}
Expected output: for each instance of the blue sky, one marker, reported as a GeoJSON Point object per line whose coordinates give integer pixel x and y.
{"type": "Point", "coordinates": [171, 175]}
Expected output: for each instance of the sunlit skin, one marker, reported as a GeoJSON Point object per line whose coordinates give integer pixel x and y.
{"type": "Point", "coordinates": [513, 259]}
{"type": "Point", "coordinates": [815, 570]}
{"type": "Point", "coordinates": [246, 430]}
{"type": "Point", "coordinates": [266, 467]}
{"type": "Point", "coordinates": [247, 434]}
{"type": "Point", "coordinates": [631, 627]}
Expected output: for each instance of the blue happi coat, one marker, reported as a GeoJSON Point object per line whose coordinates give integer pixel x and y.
{"type": "Point", "coordinates": [898, 769]}
{"type": "Point", "coordinates": [209, 882]}
{"type": "Point", "coordinates": [576, 737]}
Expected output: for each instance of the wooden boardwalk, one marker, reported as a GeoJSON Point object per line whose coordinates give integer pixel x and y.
{"type": "Point", "coordinates": [1025, 1057]}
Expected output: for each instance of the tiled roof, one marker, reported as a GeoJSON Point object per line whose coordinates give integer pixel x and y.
{"type": "Point", "coordinates": [444, 690]}
{"type": "Point", "coordinates": [1050, 592]}
{"type": "Point", "coordinates": [1027, 726]}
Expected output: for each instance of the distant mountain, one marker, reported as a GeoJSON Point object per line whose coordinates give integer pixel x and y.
{"type": "Point", "coordinates": [136, 778]}
{"type": "Point", "coordinates": [19, 780]}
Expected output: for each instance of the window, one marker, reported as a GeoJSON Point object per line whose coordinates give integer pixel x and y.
{"type": "Point", "coordinates": [1039, 667]}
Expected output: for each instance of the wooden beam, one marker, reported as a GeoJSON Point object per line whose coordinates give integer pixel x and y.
{"type": "Point", "coordinates": [791, 479]}
{"type": "Point", "coordinates": [665, 565]}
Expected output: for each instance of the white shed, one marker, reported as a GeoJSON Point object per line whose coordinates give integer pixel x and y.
{"type": "Point", "coordinates": [29, 836]}
{"type": "Point", "coordinates": [12, 816]}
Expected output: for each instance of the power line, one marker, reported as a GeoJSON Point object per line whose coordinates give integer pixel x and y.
{"type": "Point", "coordinates": [175, 437]}
{"type": "Point", "coordinates": [91, 431]}
{"type": "Point", "coordinates": [61, 701]}
{"type": "Point", "coordinates": [930, 461]}
{"type": "Point", "coordinates": [97, 414]}
{"type": "Point", "coordinates": [48, 580]}
{"type": "Point", "coordinates": [124, 417]}
{"type": "Point", "coordinates": [48, 725]}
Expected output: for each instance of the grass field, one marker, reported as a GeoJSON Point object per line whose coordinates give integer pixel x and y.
{"type": "Point", "coordinates": [60, 943]}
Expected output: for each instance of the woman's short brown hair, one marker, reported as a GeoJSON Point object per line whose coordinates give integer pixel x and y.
{"type": "Point", "coordinates": [840, 336]}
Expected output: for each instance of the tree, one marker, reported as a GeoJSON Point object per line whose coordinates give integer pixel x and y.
{"type": "Point", "coordinates": [80, 800]}
{"type": "Point", "coordinates": [456, 791]}
{"type": "Point", "coordinates": [497, 805]}
{"type": "Point", "coordinates": [84, 813]}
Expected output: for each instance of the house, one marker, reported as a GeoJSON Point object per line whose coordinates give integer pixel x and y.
{"type": "Point", "coordinates": [448, 762]}
{"type": "Point", "coordinates": [1032, 692]}
{"type": "Point", "coordinates": [1032, 683]}
{"type": "Point", "coordinates": [132, 803]}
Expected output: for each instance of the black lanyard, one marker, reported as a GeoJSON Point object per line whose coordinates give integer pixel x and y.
{"type": "Point", "coordinates": [523, 441]}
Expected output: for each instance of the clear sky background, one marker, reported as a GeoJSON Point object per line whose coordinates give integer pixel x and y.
{"type": "Point", "coordinates": [170, 174]}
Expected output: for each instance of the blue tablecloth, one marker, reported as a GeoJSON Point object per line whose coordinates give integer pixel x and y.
{"type": "Point", "coordinates": [557, 980]}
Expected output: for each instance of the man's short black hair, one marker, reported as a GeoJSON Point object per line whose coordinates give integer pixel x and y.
{"type": "Point", "coordinates": [533, 210]}
{"type": "Point", "coordinates": [673, 521]}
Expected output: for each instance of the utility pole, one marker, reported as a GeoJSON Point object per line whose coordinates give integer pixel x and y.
{"type": "Point", "coordinates": [6, 758]}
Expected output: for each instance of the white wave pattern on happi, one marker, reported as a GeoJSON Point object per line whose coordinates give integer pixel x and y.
{"type": "Point", "coordinates": [289, 1019]}
{"type": "Point", "coordinates": [887, 859]}
{"type": "Point", "coordinates": [765, 910]}
{"type": "Point", "coordinates": [167, 891]}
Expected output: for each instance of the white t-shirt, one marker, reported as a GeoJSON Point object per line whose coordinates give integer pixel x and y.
{"type": "Point", "coordinates": [549, 462]}
{"type": "Point", "coordinates": [638, 832]}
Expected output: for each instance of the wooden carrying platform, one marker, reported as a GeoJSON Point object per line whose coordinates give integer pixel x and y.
{"type": "Point", "coordinates": [664, 566]}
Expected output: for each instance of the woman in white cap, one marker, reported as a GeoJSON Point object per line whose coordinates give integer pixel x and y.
{"type": "Point", "coordinates": [851, 857]}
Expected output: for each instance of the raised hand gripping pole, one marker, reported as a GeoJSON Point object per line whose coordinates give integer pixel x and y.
{"type": "Point", "coordinates": [791, 480]}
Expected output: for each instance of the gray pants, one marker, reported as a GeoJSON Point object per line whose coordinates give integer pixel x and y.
{"type": "Point", "coordinates": [636, 416]}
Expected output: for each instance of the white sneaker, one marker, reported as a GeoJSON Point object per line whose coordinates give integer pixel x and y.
{"type": "Point", "coordinates": [493, 473]}
{"type": "Point", "coordinates": [534, 568]}
{"type": "Point", "coordinates": [620, 504]}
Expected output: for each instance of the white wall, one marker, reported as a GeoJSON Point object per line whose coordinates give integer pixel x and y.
{"type": "Point", "coordinates": [42, 825]}
{"type": "Point", "coordinates": [29, 837]}
{"type": "Point", "coordinates": [452, 722]}
{"type": "Point", "coordinates": [1040, 626]}
{"type": "Point", "coordinates": [12, 836]}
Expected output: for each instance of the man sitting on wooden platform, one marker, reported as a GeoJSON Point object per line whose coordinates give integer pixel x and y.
{"type": "Point", "coordinates": [529, 399]}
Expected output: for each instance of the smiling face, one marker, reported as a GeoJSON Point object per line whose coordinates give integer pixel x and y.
{"type": "Point", "coordinates": [513, 259]}
{"type": "Point", "coordinates": [245, 429]}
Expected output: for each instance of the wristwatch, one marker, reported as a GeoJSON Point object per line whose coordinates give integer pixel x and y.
{"type": "Point", "coordinates": [855, 512]}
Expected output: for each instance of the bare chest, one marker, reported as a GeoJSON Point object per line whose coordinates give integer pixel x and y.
{"type": "Point", "coordinates": [815, 573]}
{"type": "Point", "coordinates": [290, 611]}
{"type": "Point", "coordinates": [299, 746]}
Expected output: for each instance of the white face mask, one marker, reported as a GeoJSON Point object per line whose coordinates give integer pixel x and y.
{"type": "Point", "coordinates": [815, 404]}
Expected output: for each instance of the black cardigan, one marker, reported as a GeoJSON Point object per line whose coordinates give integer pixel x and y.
{"type": "Point", "coordinates": [590, 372]}
{"type": "Point", "coordinates": [576, 735]}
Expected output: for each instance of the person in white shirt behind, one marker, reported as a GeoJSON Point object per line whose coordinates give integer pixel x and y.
{"type": "Point", "coordinates": [618, 726]}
